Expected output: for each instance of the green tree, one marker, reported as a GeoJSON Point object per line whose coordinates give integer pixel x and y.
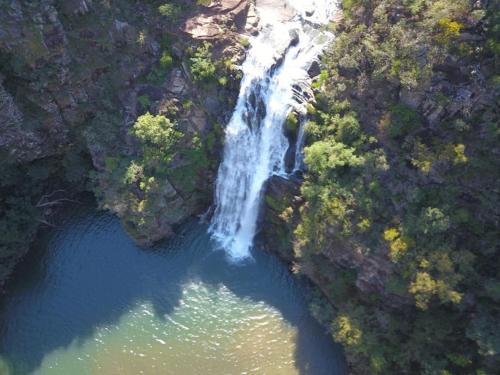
{"type": "Point", "coordinates": [157, 135]}
{"type": "Point", "coordinates": [202, 66]}
{"type": "Point", "coordinates": [328, 155]}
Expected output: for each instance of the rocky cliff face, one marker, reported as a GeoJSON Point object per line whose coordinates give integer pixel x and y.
{"type": "Point", "coordinates": [281, 199]}
{"type": "Point", "coordinates": [398, 212]}
{"type": "Point", "coordinates": [74, 77]}
{"type": "Point", "coordinates": [457, 90]}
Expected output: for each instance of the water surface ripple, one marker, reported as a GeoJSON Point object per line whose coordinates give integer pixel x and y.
{"type": "Point", "coordinates": [90, 302]}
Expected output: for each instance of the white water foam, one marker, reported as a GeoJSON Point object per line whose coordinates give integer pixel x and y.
{"type": "Point", "coordinates": [255, 145]}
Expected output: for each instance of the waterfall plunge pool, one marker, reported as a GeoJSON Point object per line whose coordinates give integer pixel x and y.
{"type": "Point", "coordinates": [88, 301]}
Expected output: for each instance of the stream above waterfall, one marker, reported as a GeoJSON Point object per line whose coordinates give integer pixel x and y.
{"type": "Point", "coordinates": [88, 301]}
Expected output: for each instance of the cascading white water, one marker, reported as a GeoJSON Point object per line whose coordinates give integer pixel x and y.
{"type": "Point", "coordinates": [255, 144]}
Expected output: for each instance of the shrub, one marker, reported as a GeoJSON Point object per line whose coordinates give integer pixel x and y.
{"type": "Point", "coordinates": [144, 101]}
{"type": "Point", "coordinates": [348, 130]}
{"type": "Point", "coordinates": [448, 30]}
{"type": "Point", "coordinates": [403, 120]}
{"type": "Point", "coordinates": [398, 245]}
{"type": "Point", "coordinates": [202, 66]}
{"type": "Point", "coordinates": [292, 123]}
{"type": "Point", "coordinates": [158, 136]}
{"type": "Point", "coordinates": [347, 331]}
{"type": "Point", "coordinates": [390, 234]}
{"type": "Point", "coordinates": [187, 104]}
{"type": "Point", "coordinates": [197, 160]}
{"type": "Point", "coordinates": [134, 173]}
{"type": "Point", "coordinates": [423, 288]}
{"type": "Point", "coordinates": [433, 221]}
{"type": "Point", "coordinates": [459, 156]}
{"type": "Point", "coordinates": [166, 60]}
{"type": "Point", "coordinates": [222, 81]}
{"type": "Point", "coordinates": [156, 76]}
{"type": "Point", "coordinates": [423, 158]}
{"type": "Point", "coordinates": [171, 11]}
{"type": "Point", "coordinates": [245, 42]}
{"type": "Point", "coordinates": [323, 157]}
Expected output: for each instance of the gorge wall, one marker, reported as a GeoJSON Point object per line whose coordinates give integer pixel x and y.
{"type": "Point", "coordinates": [396, 219]}
{"type": "Point", "coordinates": [76, 77]}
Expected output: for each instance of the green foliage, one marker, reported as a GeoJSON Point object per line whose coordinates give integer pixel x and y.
{"type": "Point", "coordinates": [448, 30]}
{"type": "Point", "coordinates": [202, 66]}
{"type": "Point", "coordinates": [403, 121]}
{"type": "Point", "coordinates": [166, 60]}
{"type": "Point", "coordinates": [93, 124]}
{"type": "Point", "coordinates": [156, 76]}
{"type": "Point", "coordinates": [424, 287]}
{"type": "Point", "coordinates": [139, 187]}
{"type": "Point", "coordinates": [292, 123]}
{"type": "Point", "coordinates": [347, 129]}
{"type": "Point", "coordinates": [399, 188]}
{"type": "Point", "coordinates": [158, 136]}
{"type": "Point", "coordinates": [277, 205]}
{"type": "Point", "coordinates": [321, 79]}
{"type": "Point", "coordinates": [350, 6]}
{"type": "Point", "coordinates": [30, 193]}
{"type": "Point", "coordinates": [493, 40]}
{"type": "Point", "coordinates": [213, 137]}
{"type": "Point", "coordinates": [484, 330]}
{"type": "Point", "coordinates": [144, 101]}
{"type": "Point", "coordinates": [245, 42]}
{"type": "Point", "coordinates": [433, 221]}
{"type": "Point", "coordinates": [347, 331]}
{"type": "Point", "coordinates": [398, 245]}
{"type": "Point", "coordinates": [187, 104]}
{"type": "Point", "coordinates": [134, 173]}
{"type": "Point", "coordinates": [222, 81]}
{"type": "Point", "coordinates": [326, 156]}
{"type": "Point", "coordinates": [169, 10]}
{"type": "Point", "coordinates": [196, 161]}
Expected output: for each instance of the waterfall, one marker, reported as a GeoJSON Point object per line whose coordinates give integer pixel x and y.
{"type": "Point", "coordinates": [255, 144]}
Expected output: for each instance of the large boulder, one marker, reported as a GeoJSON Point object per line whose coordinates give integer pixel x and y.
{"type": "Point", "coordinates": [220, 19]}
{"type": "Point", "coordinates": [281, 200]}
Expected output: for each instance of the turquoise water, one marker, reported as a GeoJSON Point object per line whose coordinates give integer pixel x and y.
{"type": "Point", "coordinates": [88, 301]}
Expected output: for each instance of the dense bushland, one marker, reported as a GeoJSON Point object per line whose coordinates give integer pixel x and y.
{"type": "Point", "coordinates": [401, 213]}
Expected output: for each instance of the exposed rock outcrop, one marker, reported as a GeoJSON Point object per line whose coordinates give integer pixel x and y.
{"type": "Point", "coordinates": [281, 199]}
{"type": "Point", "coordinates": [220, 19]}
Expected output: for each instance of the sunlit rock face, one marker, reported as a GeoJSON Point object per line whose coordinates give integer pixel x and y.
{"type": "Point", "coordinates": [220, 19]}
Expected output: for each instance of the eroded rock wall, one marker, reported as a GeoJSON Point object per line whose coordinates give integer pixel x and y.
{"type": "Point", "coordinates": [75, 76]}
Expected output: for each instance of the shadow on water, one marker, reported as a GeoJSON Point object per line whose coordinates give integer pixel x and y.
{"type": "Point", "coordinates": [90, 274]}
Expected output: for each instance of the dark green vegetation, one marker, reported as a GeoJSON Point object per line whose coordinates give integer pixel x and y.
{"type": "Point", "coordinates": [98, 97]}
{"type": "Point", "coordinates": [400, 221]}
